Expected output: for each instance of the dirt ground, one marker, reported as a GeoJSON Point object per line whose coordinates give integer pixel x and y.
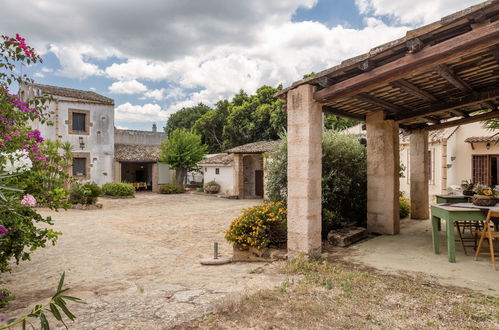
{"type": "Point", "coordinates": [136, 262]}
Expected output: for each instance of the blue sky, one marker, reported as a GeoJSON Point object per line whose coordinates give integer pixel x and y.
{"type": "Point", "coordinates": [154, 57]}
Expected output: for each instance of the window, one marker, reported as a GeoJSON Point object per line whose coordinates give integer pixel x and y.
{"type": "Point", "coordinates": [79, 122]}
{"type": "Point", "coordinates": [217, 171]}
{"type": "Point", "coordinates": [206, 169]}
{"type": "Point", "coordinates": [79, 167]}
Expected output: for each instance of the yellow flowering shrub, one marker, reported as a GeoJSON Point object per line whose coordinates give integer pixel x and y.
{"type": "Point", "coordinates": [260, 226]}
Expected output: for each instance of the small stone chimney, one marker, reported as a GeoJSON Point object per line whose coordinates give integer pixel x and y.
{"type": "Point", "coordinates": [154, 128]}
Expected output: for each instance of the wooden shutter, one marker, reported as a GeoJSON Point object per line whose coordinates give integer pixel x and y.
{"type": "Point", "coordinates": [79, 122]}
{"type": "Point", "coordinates": [480, 169]}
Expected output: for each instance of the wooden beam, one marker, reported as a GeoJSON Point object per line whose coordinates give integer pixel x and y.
{"type": "Point", "coordinates": [445, 72]}
{"type": "Point", "coordinates": [432, 120]}
{"type": "Point", "coordinates": [469, 100]}
{"type": "Point", "coordinates": [409, 88]}
{"type": "Point", "coordinates": [414, 45]}
{"type": "Point", "coordinates": [459, 113]}
{"type": "Point", "coordinates": [471, 119]}
{"type": "Point", "coordinates": [495, 53]}
{"type": "Point", "coordinates": [392, 108]}
{"type": "Point", "coordinates": [325, 81]}
{"type": "Point", "coordinates": [489, 105]}
{"type": "Point", "coordinates": [367, 65]}
{"type": "Point", "coordinates": [338, 112]}
{"type": "Point", "coordinates": [422, 61]}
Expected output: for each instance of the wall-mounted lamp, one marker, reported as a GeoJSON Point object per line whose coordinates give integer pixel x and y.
{"type": "Point", "coordinates": [82, 143]}
{"type": "Point", "coordinates": [487, 145]}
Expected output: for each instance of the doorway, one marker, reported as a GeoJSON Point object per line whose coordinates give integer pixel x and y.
{"type": "Point", "coordinates": [259, 183]}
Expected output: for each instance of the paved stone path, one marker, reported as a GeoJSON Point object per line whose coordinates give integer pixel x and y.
{"type": "Point", "coordinates": [136, 262]}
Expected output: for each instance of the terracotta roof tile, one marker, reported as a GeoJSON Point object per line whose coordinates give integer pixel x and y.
{"type": "Point", "coordinates": [74, 93]}
{"type": "Point", "coordinates": [136, 153]}
{"type": "Point", "coordinates": [256, 147]}
{"type": "Point", "coordinates": [478, 139]}
{"type": "Point", "coordinates": [222, 159]}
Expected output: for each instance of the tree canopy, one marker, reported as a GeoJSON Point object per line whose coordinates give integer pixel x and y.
{"type": "Point", "coordinates": [186, 117]}
{"type": "Point", "coordinates": [243, 119]}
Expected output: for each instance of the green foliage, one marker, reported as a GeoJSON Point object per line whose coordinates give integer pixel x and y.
{"type": "Point", "coordinates": [212, 187]}
{"type": "Point", "coordinates": [405, 206]}
{"type": "Point", "coordinates": [118, 189]}
{"type": "Point", "coordinates": [344, 180]}
{"type": "Point", "coordinates": [25, 234]}
{"type": "Point", "coordinates": [260, 226]}
{"type": "Point", "coordinates": [182, 151]}
{"type": "Point", "coordinates": [84, 193]}
{"type": "Point", "coordinates": [185, 118]}
{"type": "Point", "coordinates": [5, 297]}
{"type": "Point", "coordinates": [211, 125]}
{"type": "Point", "coordinates": [56, 306]}
{"type": "Point", "coordinates": [171, 189]}
{"type": "Point", "coordinates": [338, 123]}
{"type": "Point", "coordinates": [254, 118]}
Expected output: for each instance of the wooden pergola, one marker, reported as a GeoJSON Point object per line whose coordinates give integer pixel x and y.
{"type": "Point", "coordinates": [440, 75]}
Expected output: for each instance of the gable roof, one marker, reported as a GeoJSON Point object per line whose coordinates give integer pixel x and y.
{"type": "Point", "coordinates": [433, 136]}
{"type": "Point", "coordinates": [74, 93]}
{"type": "Point", "coordinates": [478, 139]}
{"type": "Point", "coordinates": [222, 160]}
{"type": "Point", "coordinates": [256, 147]}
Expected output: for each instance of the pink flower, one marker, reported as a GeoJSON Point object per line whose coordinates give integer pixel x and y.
{"type": "Point", "coordinates": [7, 137]}
{"type": "Point", "coordinates": [28, 200]}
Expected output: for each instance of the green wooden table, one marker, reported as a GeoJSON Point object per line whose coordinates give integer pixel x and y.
{"type": "Point", "coordinates": [452, 199]}
{"type": "Point", "coordinates": [452, 213]}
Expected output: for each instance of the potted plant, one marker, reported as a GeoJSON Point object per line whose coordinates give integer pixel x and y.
{"type": "Point", "coordinates": [212, 187]}
{"type": "Point", "coordinates": [484, 196]}
{"type": "Point", "coordinates": [467, 187]}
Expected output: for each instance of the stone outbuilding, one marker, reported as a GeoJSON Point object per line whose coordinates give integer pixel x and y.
{"type": "Point", "coordinates": [441, 75]}
{"type": "Point", "coordinates": [241, 171]}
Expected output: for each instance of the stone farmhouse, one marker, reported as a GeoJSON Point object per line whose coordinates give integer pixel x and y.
{"type": "Point", "coordinates": [101, 153]}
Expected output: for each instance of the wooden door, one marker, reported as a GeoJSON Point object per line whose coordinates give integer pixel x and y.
{"type": "Point", "coordinates": [259, 183]}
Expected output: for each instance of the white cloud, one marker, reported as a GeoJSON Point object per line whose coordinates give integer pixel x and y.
{"type": "Point", "coordinates": [411, 12]}
{"type": "Point", "coordinates": [127, 87]}
{"type": "Point", "coordinates": [157, 94]}
{"type": "Point", "coordinates": [73, 63]}
{"type": "Point", "coordinates": [128, 112]}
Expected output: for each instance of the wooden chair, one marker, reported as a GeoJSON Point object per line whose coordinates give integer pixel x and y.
{"type": "Point", "coordinates": [490, 234]}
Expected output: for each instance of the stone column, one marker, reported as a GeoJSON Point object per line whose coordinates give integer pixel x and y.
{"type": "Point", "coordinates": [117, 171]}
{"type": "Point", "coordinates": [304, 172]}
{"type": "Point", "coordinates": [420, 203]}
{"type": "Point", "coordinates": [155, 178]}
{"type": "Point", "coordinates": [383, 182]}
{"type": "Point", "coordinates": [238, 175]}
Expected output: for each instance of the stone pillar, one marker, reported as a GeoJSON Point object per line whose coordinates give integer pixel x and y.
{"type": "Point", "coordinates": [420, 203]}
{"type": "Point", "coordinates": [117, 171]}
{"type": "Point", "coordinates": [238, 175]}
{"type": "Point", "coordinates": [155, 178]}
{"type": "Point", "coordinates": [304, 172]}
{"type": "Point", "coordinates": [443, 183]}
{"type": "Point", "coordinates": [383, 182]}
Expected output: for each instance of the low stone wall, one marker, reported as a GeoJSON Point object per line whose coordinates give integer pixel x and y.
{"type": "Point", "coordinates": [258, 255]}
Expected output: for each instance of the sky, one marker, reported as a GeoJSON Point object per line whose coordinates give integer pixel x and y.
{"type": "Point", "coordinates": [154, 57]}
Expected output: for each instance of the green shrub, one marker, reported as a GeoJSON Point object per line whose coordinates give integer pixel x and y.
{"type": "Point", "coordinates": [172, 189]}
{"type": "Point", "coordinates": [344, 180]}
{"type": "Point", "coordinates": [86, 193]}
{"type": "Point", "coordinates": [118, 189]}
{"type": "Point", "coordinates": [405, 206]}
{"type": "Point", "coordinates": [260, 226]}
{"type": "Point", "coordinates": [212, 187]}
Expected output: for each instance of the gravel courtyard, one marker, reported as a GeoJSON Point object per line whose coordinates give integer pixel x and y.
{"type": "Point", "coordinates": [136, 262]}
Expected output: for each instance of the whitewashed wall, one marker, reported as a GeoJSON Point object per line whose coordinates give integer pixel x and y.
{"type": "Point", "coordinates": [224, 179]}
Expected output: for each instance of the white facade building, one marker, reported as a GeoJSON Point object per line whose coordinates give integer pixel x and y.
{"type": "Point", "coordinates": [219, 168]}
{"type": "Point", "coordinates": [86, 120]}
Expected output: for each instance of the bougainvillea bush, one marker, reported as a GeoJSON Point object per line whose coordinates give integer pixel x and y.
{"type": "Point", "coordinates": [260, 227]}
{"type": "Point", "coordinates": [31, 169]}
